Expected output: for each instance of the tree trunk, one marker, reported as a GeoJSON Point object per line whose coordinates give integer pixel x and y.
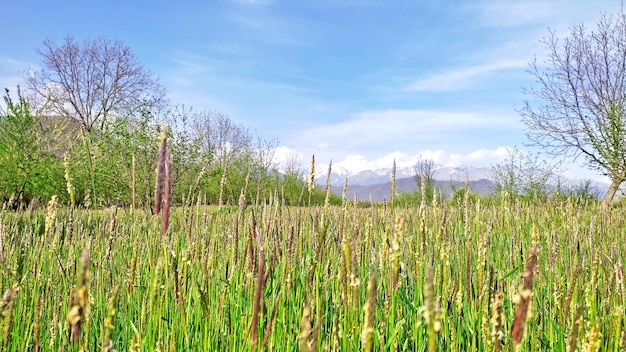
{"type": "Point", "coordinates": [610, 193]}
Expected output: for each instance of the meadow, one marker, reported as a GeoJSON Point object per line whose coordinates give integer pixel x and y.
{"type": "Point", "coordinates": [453, 276]}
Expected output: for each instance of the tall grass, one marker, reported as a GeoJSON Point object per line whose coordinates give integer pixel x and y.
{"type": "Point", "coordinates": [445, 277]}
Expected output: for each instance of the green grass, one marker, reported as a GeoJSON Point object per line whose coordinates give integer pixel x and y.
{"type": "Point", "coordinates": [194, 288]}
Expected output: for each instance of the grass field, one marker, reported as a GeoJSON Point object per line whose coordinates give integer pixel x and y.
{"type": "Point", "coordinates": [445, 277]}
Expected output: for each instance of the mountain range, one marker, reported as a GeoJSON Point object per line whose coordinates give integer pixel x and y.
{"type": "Point", "coordinates": [375, 185]}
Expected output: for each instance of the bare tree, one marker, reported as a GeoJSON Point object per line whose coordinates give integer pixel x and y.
{"type": "Point", "coordinates": [264, 152]}
{"type": "Point", "coordinates": [220, 137]}
{"type": "Point", "coordinates": [88, 81]}
{"type": "Point", "coordinates": [223, 144]}
{"type": "Point", "coordinates": [581, 97]}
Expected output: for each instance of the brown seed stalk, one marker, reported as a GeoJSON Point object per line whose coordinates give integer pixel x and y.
{"type": "Point", "coordinates": [525, 294]}
{"type": "Point", "coordinates": [76, 315]}
{"type": "Point", "coordinates": [160, 170]}
{"type": "Point", "coordinates": [163, 187]}
{"type": "Point", "coordinates": [6, 310]}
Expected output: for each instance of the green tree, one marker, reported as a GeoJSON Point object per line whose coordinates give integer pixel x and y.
{"type": "Point", "coordinates": [92, 83]}
{"type": "Point", "coordinates": [29, 166]}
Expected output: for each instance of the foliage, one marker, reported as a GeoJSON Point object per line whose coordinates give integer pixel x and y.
{"type": "Point", "coordinates": [29, 167]}
{"type": "Point", "coordinates": [407, 198]}
{"type": "Point", "coordinates": [102, 110]}
{"type": "Point", "coordinates": [460, 194]}
{"type": "Point", "coordinates": [523, 174]}
{"type": "Point", "coordinates": [584, 192]}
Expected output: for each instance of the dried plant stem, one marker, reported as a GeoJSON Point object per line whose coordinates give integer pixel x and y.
{"type": "Point", "coordinates": [71, 193]}
{"type": "Point", "coordinates": [1, 243]}
{"type": "Point", "coordinates": [167, 192]}
{"type": "Point", "coordinates": [133, 270]}
{"type": "Point", "coordinates": [222, 186]}
{"type": "Point", "coordinates": [239, 218]}
{"type": "Point", "coordinates": [191, 196]}
{"type": "Point", "coordinates": [311, 178]}
{"type": "Point", "coordinates": [133, 184]}
{"type": "Point", "coordinates": [396, 244]}
{"type": "Point", "coordinates": [260, 282]}
{"type": "Point", "coordinates": [393, 186]}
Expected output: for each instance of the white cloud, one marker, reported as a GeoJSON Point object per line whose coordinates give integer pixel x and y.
{"type": "Point", "coordinates": [386, 128]}
{"type": "Point", "coordinates": [489, 154]}
{"type": "Point", "coordinates": [354, 163]}
{"type": "Point", "coordinates": [286, 157]}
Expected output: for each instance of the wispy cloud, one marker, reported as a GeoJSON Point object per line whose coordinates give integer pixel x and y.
{"type": "Point", "coordinates": [260, 25]}
{"type": "Point", "coordinates": [463, 77]}
{"type": "Point", "coordinates": [376, 127]}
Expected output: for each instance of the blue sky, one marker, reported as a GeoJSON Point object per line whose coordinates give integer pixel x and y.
{"type": "Point", "coordinates": [361, 82]}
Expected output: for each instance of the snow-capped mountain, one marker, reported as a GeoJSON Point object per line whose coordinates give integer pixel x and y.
{"type": "Point", "coordinates": [372, 177]}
